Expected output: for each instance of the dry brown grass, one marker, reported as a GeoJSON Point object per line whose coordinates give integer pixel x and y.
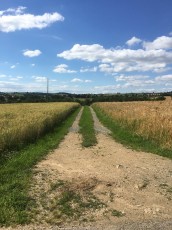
{"type": "Point", "coordinates": [23, 123]}
{"type": "Point", "coordinates": [151, 120]}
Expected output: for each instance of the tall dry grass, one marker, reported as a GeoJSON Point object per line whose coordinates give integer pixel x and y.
{"type": "Point", "coordinates": [24, 123]}
{"type": "Point", "coordinates": [151, 120]}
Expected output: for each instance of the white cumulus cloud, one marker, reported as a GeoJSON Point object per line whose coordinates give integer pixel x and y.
{"type": "Point", "coordinates": [13, 66]}
{"type": "Point", "coordinates": [3, 75]}
{"type": "Point", "coordinates": [162, 42]}
{"type": "Point", "coordinates": [134, 80]}
{"type": "Point", "coordinates": [166, 78]}
{"type": "Point", "coordinates": [16, 11]}
{"type": "Point", "coordinates": [130, 77]}
{"type": "Point", "coordinates": [32, 53]}
{"type": "Point", "coordinates": [39, 78]}
{"type": "Point", "coordinates": [120, 60]}
{"type": "Point", "coordinates": [63, 68]}
{"type": "Point", "coordinates": [133, 41]}
{"type": "Point", "coordinates": [76, 80]}
{"type": "Point", "coordinates": [14, 19]}
{"type": "Point", "coordinates": [84, 52]}
{"type": "Point", "coordinates": [80, 80]}
{"type": "Point", "coordinates": [84, 70]}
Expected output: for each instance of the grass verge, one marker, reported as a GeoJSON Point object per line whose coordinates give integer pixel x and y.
{"type": "Point", "coordinates": [87, 128]}
{"type": "Point", "coordinates": [128, 138]}
{"type": "Point", "coordinates": [16, 173]}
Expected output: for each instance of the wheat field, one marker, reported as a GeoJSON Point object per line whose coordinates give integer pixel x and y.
{"type": "Point", "coordinates": [152, 120]}
{"type": "Point", "coordinates": [24, 123]}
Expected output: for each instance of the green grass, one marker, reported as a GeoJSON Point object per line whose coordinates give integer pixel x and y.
{"type": "Point", "coordinates": [74, 204]}
{"type": "Point", "coordinates": [56, 185]}
{"type": "Point", "coordinates": [87, 128]}
{"type": "Point", "coordinates": [65, 202]}
{"type": "Point", "coordinates": [128, 138]}
{"type": "Point", "coordinates": [16, 174]}
{"type": "Point", "coordinates": [117, 213]}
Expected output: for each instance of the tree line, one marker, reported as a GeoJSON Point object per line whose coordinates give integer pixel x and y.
{"type": "Point", "coordinates": [83, 99]}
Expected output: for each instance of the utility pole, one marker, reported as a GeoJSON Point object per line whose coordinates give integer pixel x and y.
{"type": "Point", "coordinates": [47, 87]}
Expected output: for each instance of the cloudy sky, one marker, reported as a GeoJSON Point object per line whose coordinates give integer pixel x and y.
{"type": "Point", "coordinates": [91, 46]}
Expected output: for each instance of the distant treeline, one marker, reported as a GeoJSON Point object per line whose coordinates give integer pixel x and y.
{"type": "Point", "coordinates": [83, 99]}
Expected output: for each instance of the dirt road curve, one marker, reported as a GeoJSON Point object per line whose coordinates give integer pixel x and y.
{"type": "Point", "coordinates": [135, 187]}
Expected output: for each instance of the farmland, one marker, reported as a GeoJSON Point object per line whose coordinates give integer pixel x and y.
{"type": "Point", "coordinates": [152, 121]}
{"type": "Point", "coordinates": [53, 182]}
{"type": "Point", "coordinates": [16, 168]}
{"type": "Point", "coordinates": [21, 124]}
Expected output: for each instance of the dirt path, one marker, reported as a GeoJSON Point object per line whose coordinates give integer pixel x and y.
{"type": "Point", "coordinates": [117, 188]}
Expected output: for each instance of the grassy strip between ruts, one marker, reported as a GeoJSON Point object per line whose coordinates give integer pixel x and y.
{"type": "Point", "coordinates": [128, 138]}
{"type": "Point", "coordinates": [87, 128]}
{"type": "Point", "coordinates": [16, 173]}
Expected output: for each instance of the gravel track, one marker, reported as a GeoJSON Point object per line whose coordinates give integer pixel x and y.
{"type": "Point", "coordinates": [136, 183]}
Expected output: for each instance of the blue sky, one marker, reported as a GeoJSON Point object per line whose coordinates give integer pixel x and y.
{"type": "Point", "coordinates": [93, 46]}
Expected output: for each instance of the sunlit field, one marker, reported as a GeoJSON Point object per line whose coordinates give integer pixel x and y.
{"type": "Point", "coordinates": [151, 120]}
{"type": "Point", "coordinates": [24, 123]}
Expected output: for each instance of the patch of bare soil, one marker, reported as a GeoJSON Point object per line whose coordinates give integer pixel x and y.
{"type": "Point", "coordinates": [103, 187]}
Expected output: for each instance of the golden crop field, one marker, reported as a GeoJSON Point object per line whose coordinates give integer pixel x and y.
{"type": "Point", "coordinates": [151, 120]}
{"type": "Point", "coordinates": [23, 123]}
